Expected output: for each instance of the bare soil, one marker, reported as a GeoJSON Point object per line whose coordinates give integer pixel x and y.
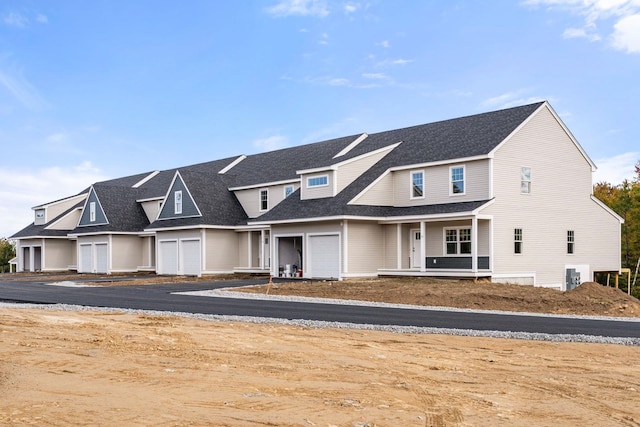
{"type": "Point", "coordinates": [61, 368]}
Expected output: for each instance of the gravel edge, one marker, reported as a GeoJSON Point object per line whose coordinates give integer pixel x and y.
{"type": "Point", "coordinates": [313, 324]}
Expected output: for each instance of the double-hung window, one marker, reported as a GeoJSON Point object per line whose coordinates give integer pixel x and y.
{"type": "Point", "coordinates": [457, 179]}
{"type": "Point", "coordinates": [92, 211]}
{"type": "Point", "coordinates": [457, 241]}
{"type": "Point", "coordinates": [517, 241]}
{"type": "Point", "coordinates": [571, 240]}
{"type": "Point", "coordinates": [288, 190]}
{"type": "Point", "coordinates": [525, 180]}
{"type": "Point", "coordinates": [177, 202]}
{"type": "Point", "coordinates": [417, 184]}
{"type": "Point", "coordinates": [264, 200]}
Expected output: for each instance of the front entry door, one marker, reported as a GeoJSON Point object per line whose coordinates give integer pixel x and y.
{"type": "Point", "coordinates": [415, 248]}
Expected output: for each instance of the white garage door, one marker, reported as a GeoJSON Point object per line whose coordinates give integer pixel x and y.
{"type": "Point", "coordinates": [324, 256]}
{"type": "Point", "coordinates": [85, 259]}
{"type": "Point", "coordinates": [190, 251]}
{"type": "Point", "coordinates": [102, 258]}
{"type": "Point", "coordinates": [168, 257]}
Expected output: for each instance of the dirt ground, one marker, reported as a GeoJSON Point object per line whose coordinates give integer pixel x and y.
{"type": "Point", "coordinates": [61, 368]}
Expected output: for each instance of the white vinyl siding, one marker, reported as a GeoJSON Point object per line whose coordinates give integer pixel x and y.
{"type": "Point", "coordinates": [248, 197]}
{"type": "Point", "coordinates": [350, 171]}
{"type": "Point", "coordinates": [364, 247]}
{"type": "Point", "coordinates": [560, 201]}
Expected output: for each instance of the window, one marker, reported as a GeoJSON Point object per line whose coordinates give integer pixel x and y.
{"type": "Point", "coordinates": [264, 200]}
{"type": "Point", "coordinates": [571, 239]}
{"type": "Point", "coordinates": [457, 241]}
{"type": "Point", "coordinates": [417, 185]}
{"type": "Point", "coordinates": [288, 190]}
{"type": "Point", "coordinates": [457, 180]}
{"type": "Point", "coordinates": [40, 214]}
{"type": "Point", "coordinates": [318, 181]}
{"type": "Point", "coordinates": [92, 211]}
{"type": "Point", "coordinates": [525, 180]}
{"type": "Point", "coordinates": [177, 202]}
{"type": "Point", "coordinates": [517, 241]}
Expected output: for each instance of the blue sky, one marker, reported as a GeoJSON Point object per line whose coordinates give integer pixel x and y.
{"type": "Point", "coordinates": [101, 89]}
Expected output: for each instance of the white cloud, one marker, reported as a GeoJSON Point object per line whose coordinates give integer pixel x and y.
{"type": "Point", "coordinates": [15, 19]}
{"type": "Point", "coordinates": [618, 19]}
{"type": "Point", "coordinates": [324, 39]}
{"type": "Point", "coordinates": [351, 7]}
{"type": "Point", "coordinates": [375, 76]}
{"type": "Point", "coordinates": [384, 43]}
{"type": "Point", "coordinates": [300, 8]}
{"type": "Point", "coordinates": [271, 143]}
{"type": "Point", "coordinates": [626, 34]}
{"type": "Point", "coordinates": [25, 188]}
{"type": "Point", "coordinates": [394, 62]}
{"type": "Point", "coordinates": [21, 89]}
{"type": "Point", "coordinates": [42, 18]}
{"type": "Point", "coordinates": [512, 99]}
{"type": "Point", "coordinates": [616, 169]}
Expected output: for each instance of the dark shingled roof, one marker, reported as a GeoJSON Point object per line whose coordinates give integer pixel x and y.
{"type": "Point", "coordinates": [33, 230]}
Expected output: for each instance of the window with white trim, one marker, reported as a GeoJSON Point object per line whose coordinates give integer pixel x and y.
{"type": "Point", "coordinates": [318, 181]}
{"type": "Point", "coordinates": [457, 179]}
{"type": "Point", "coordinates": [417, 185]}
{"type": "Point", "coordinates": [288, 190]}
{"type": "Point", "coordinates": [457, 241]}
{"type": "Point", "coordinates": [177, 202]}
{"type": "Point", "coordinates": [571, 240]}
{"type": "Point", "coordinates": [517, 241]}
{"type": "Point", "coordinates": [525, 180]}
{"type": "Point", "coordinates": [40, 214]}
{"type": "Point", "coordinates": [264, 200]}
{"type": "Point", "coordinates": [92, 211]}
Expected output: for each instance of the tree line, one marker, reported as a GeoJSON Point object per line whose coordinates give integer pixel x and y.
{"type": "Point", "coordinates": [624, 199]}
{"type": "Point", "coordinates": [7, 252]}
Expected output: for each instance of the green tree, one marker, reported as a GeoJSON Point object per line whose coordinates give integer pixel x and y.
{"type": "Point", "coordinates": [7, 252]}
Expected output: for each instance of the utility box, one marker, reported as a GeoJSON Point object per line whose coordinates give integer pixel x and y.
{"type": "Point", "coordinates": [572, 278]}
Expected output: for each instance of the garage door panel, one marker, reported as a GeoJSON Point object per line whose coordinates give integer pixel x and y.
{"type": "Point", "coordinates": [102, 258]}
{"type": "Point", "coordinates": [168, 257]}
{"type": "Point", "coordinates": [190, 252]}
{"type": "Point", "coordinates": [324, 256]}
{"type": "Point", "coordinates": [85, 259]}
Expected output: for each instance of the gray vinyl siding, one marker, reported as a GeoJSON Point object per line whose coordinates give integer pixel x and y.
{"type": "Point", "coordinates": [318, 192]}
{"type": "Point", "coordinates": [126, 253]}
{"type": "Point", "coordinates": [437, 184]}
{"type": "Point", "coordinates": [390, 245]}
{"type": "Point", "coordinates": [221, 250]}
{"type": "Point", "coordinates": [189, 208]}
{"type": "Point", "coordinates": [250, 198]}
{"type": "Point", "coordinates": [559, 201]}
{"type": "Point", "coordinates": [379, 194]}
{"type": "Point", "coordinates": [364, 243]}
{"type": "Point", "coordinates": [348, 172]}
{"type": "Point", "coordinates": [86, 213]}
{"type": "Point", "coordinates": [58, 254]}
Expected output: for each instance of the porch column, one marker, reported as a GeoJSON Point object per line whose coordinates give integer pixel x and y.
{"type": "Point", "coordinates": [399, 246]}
{"type": "Point", "coordinates": [249, 253]}
{"type": "Point", "coordinates": [262, 250]}
{"type": "Point", "coordinates": [423, 246]}
{"type": "Point", "coordinates": [474, 244]}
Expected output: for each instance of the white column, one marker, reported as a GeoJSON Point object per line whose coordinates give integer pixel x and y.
{"type": "Point", "coordinates": [345, 244]}
{"type": "Point", "coordinates": [262, 263]}
{"type": "Point", "coordinates": [399, 246]}
{"type": "Point", "coordinates": [474, 244]}
{"type": "Point", "coordinates": [423, 246]}
{"type": "Point", "coordinates": [249, 252]}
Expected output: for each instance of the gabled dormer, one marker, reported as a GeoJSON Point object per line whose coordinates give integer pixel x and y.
{"type": "Point", "coordinates": [47, 212]}
{"type": "Point", "coordinates": [178, 202]}
{"type": "Point", "coordinates": [329, 181]}
{"type": "Point", "coordinates": [92, 212]}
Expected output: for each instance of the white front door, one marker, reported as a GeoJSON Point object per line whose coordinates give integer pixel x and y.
{"type": "Point", "coordinates": [416, 248]}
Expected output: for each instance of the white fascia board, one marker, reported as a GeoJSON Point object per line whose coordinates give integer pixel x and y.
{"type": "Point", "coordinates": [265, 184]}
{"type": "Point", "coordinates": [104, 233]}
{"type": "Point", "coordinates": [440, 162]}
{"type": "Point", "coordinates": [191, 227]}
{"type": "Point", "coordinates": [46, 205]}
{"type": "Point", "coordinates": [317, 170]}
{"type": "Point", "coordinates": [317, 219]}
{"type": "Point", "coordinates": [232, 165]}
{"type": "Point", "coordinates": [351, 146]}
{"type": "Point", "coordinates": [428, 218]}
{"type": "Point", "coordinates": [37, 236]}
{"type": "Point", "coordinates": [145, 179]}
{"type": "Point", "coordinates": [242, 228]}
{"type": "Point", "coordinates": [150, 199]}
{"type": "Point", "coordinates": [607, 208]}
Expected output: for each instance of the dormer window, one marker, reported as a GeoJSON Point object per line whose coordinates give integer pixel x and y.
{"type": "Point", "coordinates": [40, 214]}
{"type": "Point", "coordinates": [92, 211]}
{"type": "Point", "coordinates": [264, 200]}
{"type": "Point", "coordinates": [318, 181]}
{"type": "Point", "coordinates": [417, 185]}
{"type": "Point", "coordinates": [288, 190]}
{"type": "Point", "coordinates": [177, 202]}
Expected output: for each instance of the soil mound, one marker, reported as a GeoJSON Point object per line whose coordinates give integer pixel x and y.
{"type": "Point", "coordinates": [595, 297]}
